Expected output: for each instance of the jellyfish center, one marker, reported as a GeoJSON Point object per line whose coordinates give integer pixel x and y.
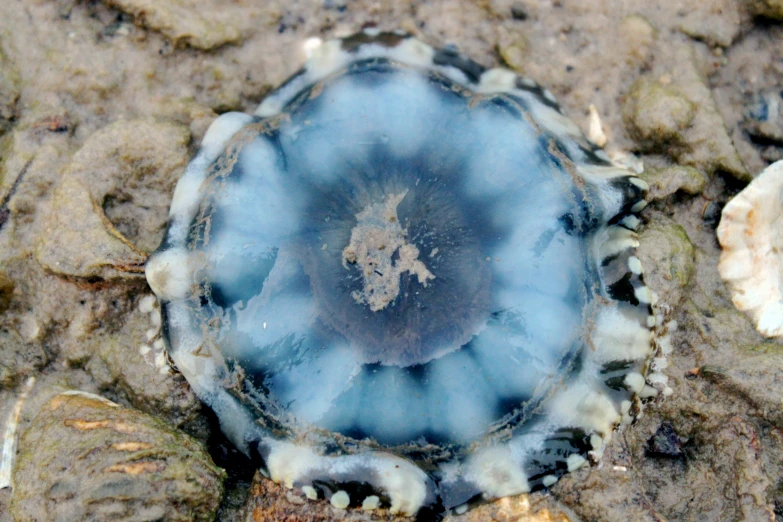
{"type": "Point", "coordinates": [406, 282]}
{"type": "Point", "coordinates": [380, 251]}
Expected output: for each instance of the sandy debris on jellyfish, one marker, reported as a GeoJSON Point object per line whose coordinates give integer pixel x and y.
{"type": "Point", "coordinates": [751, 236]}
{"type": "Point", "coordinates": [375, 240]}
{"type": "Point", "coordinates": [381, 125]}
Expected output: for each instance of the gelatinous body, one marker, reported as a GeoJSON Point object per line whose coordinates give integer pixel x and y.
{"type": "Point", "coordinates": [407, 281]}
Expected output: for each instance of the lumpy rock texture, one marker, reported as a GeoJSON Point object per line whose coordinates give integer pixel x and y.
{"type": "Point", "coordinates": [400, 261]}
{"type": "Point", "coordinates": [86, 458]}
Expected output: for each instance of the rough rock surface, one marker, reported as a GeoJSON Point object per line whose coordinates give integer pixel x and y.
{"type": "Point", "coordinates": [269, 501]}
{"type": "Point", "coordinates": [677, 115]}
{"type": "Point", "coordinates": [768, 8]}
{"type": "Point", "coordinates": [665, 246]}
{"type": "Point", "coordinates": [665, 182]}
{"type": "Point", "coordinates": [86, 458]}
{"type": "Point", "coordinates": [184, 22]}
{"type": "Point", "coordinates": [656, 115]}
{"type": "Point", "coordinates": [94, 227]}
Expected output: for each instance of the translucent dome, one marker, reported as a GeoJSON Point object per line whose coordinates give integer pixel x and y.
{"type": "Point", "coordinates": [407, 281]}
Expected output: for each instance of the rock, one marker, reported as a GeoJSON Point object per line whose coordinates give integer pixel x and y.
{"type": "Point", "coordinates": [112, 204]}
{"type": "Point", "coordinates": [185, 22]}
{"type": "Point", "coordinates": [665, 443]}
{"type": "Point", "coordinates": [79, 241]}
{"type": "Point", "coordinates": [638, 37]}
{"type": "Point", "coordinates": [709, 146]}
{"type": "Point", "coordinates": [518, 11]}
{"type": "Point", "coordinates": [768, 8]}
{"type": "Point", "coordinates": [667, 181]}
{"type": "Point", "coordinates": [270, 501]}
{"type": "Point", "coordinates": [725, 456]}
{"type": "Point", "coordinates": [676, 115]}
{"type": "Point", "coordinates": [750, 484]}
{"type": "Point", "coordinates": [711, 214]}
{"type": "Point", "coordinates": [763, 119]}
{"type": "Point", "coordinates": [163, 394]}
{"type": "Point", "coordinates": [713, 320]}
{"type": "Point", "coordinates": [716, 23]}
{"type": "Point", "coordinates": [131, 167]}
{"type": "Point", "coordinates": [85, 458]}
{"type": "Point", "coordinates": [656, 115]}
{"type": "Point", "coordinates": [17, 357]}
{"type": "Point", "coordinates": [522, 508]}
{"type": "Point", "coordinates": [667, 254]}
{"type": "Point", "coordinates": [608, 494]}
{"type": "Point", "coordinates": [513, 48]}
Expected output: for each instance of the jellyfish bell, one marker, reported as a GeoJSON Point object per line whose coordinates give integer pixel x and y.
{"type": "Point", "coordinates": [407, 281]}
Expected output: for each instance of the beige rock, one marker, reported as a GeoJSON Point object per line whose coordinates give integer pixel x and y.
{"type": "Point", "coordinates": [664, 245]}
{"type": "Point", "coordinates": [656, 115]}
{"type": "Point", "coordinates": [722, 454]}
{"type": "Point", "coordinates": [709, 146]}
{"type": "Point", "coordinates": [758, 379]}
{"type": "Point", "coordinates": [184, 22]}
{"type": "Point", "coordinates": [607, 494]}
{"type": "Point", "coordinates": [79, 241]}
{"type": "Point", "coordinates": [768, 8]}
{"type": "Point", "coordinates": [665, 182]}
{"type": "Point", "coordinates": [513, 48]}
{"type": "Point", "coordinates": [112, 204]}
{"type": "Point", "coordinates": [716, 24]}
{"type": "Point", "coordinates": [638, 36]}
{"type": "Point", "coordinates": [676, 114]}
{"type": "Point", "coordinates": [86, 458]}
{"type": "Point", "coordinates": [270, 501]}
{"type": "Point", "coordinates": [522, 508]}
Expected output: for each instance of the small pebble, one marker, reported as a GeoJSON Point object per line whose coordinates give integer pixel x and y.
{"type": "Point", "coordinates": [665, 443]}
{"type": "Point", "coordinates": [518, 11]}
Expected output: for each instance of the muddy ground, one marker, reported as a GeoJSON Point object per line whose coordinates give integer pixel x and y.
{"type": "Point", "coordinates": [102, 103]}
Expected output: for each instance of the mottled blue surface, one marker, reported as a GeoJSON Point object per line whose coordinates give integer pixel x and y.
{"type": "Point", "coordinates": [504, 313]}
